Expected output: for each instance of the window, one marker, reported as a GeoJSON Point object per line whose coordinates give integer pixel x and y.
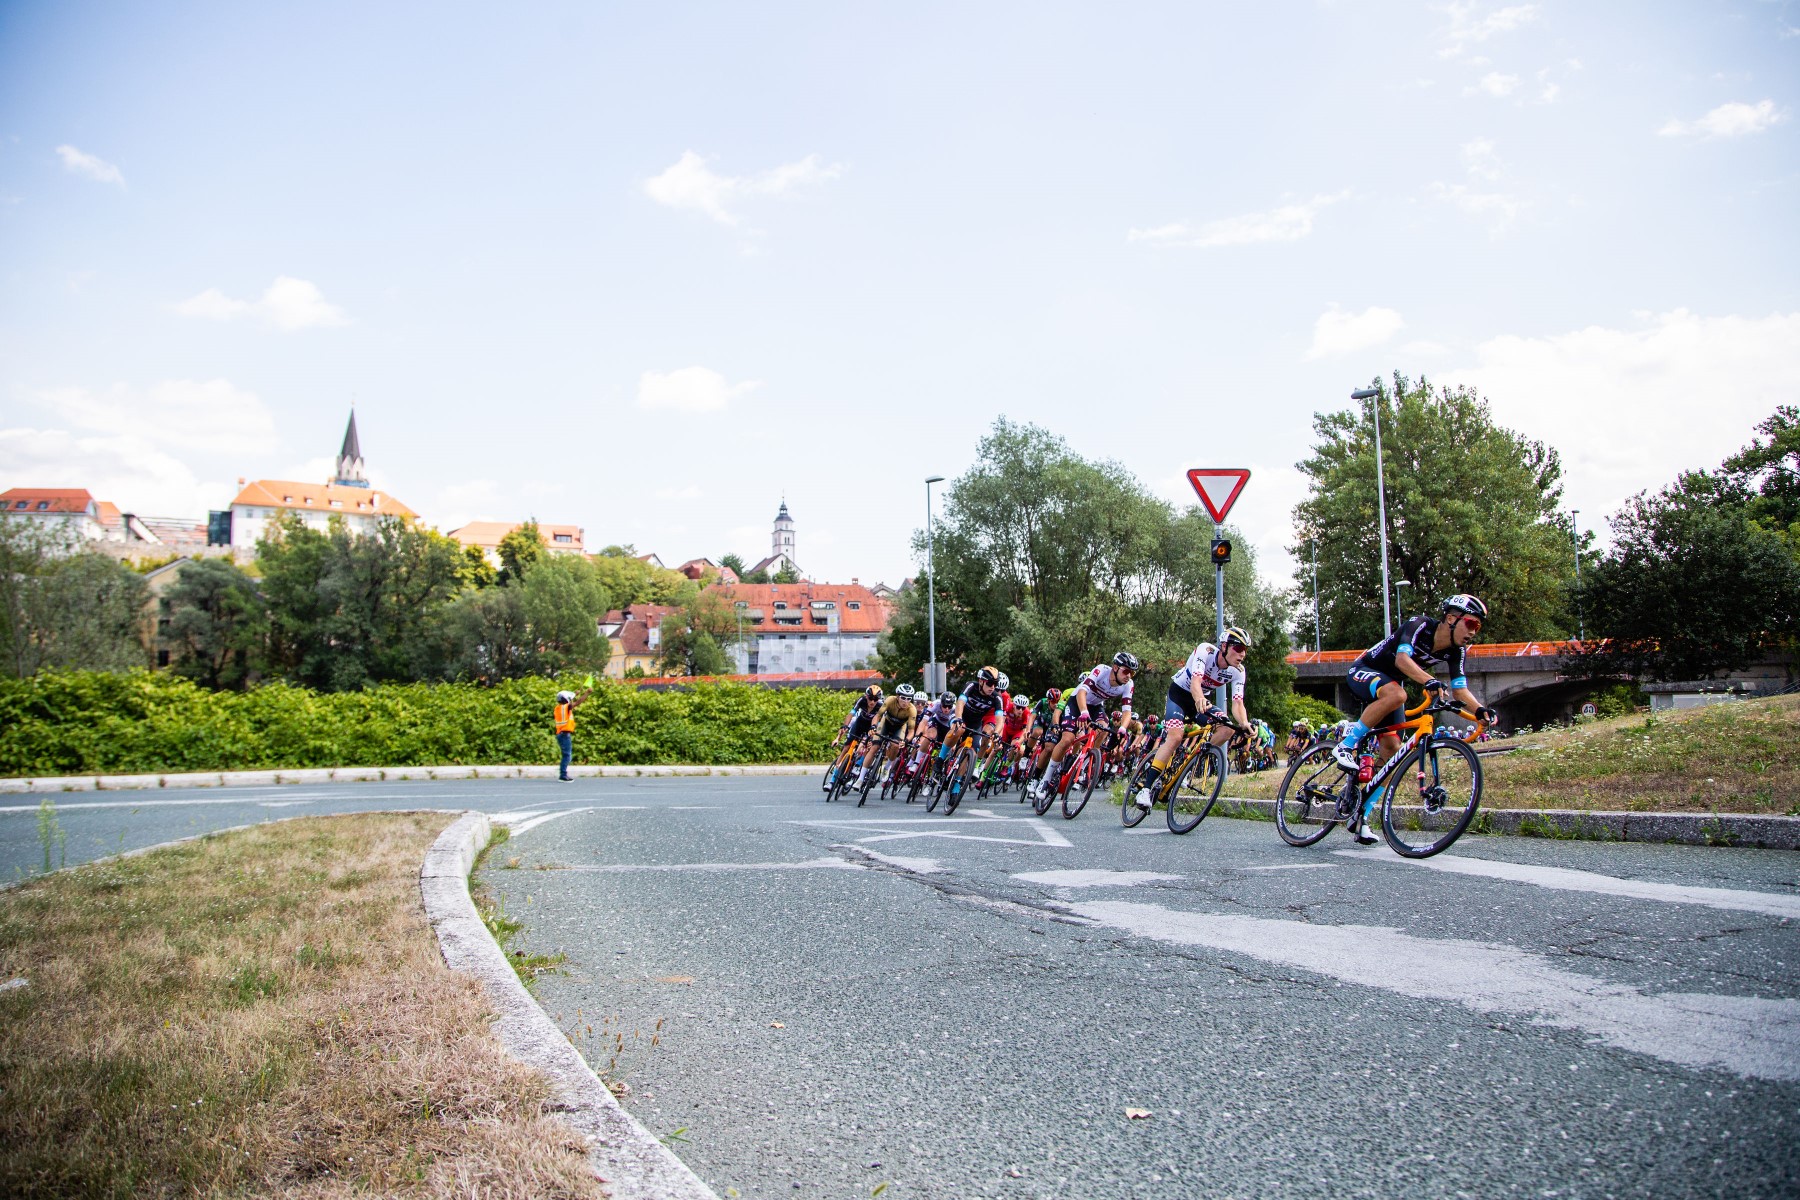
{"type": "Point", "coordinates": [21, 503]}
{"type": "Point", "coordinates": [781, 604]}
{"type": "Point", "coordinates": [287, 499]}
{"type": "Point", "coordinates": [337, 504]}
{"type": "Point", "coordinates": [162, 658]}
{"type": "Point", "coordinates": [43, 505]}
{"type": "Point", "coordinates": [564, 538]}
{"type": "Point", "coordinates": [856, 606]}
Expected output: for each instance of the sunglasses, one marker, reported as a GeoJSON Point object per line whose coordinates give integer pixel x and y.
{"type": "Point", "coordinates": [1472, 624]}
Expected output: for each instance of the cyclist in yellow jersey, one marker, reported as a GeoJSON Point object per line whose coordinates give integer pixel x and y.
{"type": "Point", "coordinates": [895, 721]}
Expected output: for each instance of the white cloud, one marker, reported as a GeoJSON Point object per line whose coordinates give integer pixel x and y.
{"type": "Point", "coordinates": [1498, 208]}
{"type": "Point", "coordinates": [691, 184]}
{"type": "Point", "coordinates": [1468, 25]}
{"type": "Point", "coordinates": [210, 415]}
{"type": "Point", "coordinates": [124, 468]}
{"type": "Point", "coordinates": [1728, 120]}
{"type": "Point", "coordinates": [1288, 223]}
{"type": "Point", "coordinates": [288, 304]}
{"type": "Point", "coordinates": [1338, 332]}
{"type": "Point", "coordinates": [1480, 160]}
{"type": "Point", "coordinates": [690, 389]}
{"type": "Point", "coordinates": [97, 169]}
{"type": "Point", "coordinates": [1494, 84]}
{"type": "Point", "coordinates": [1423, 349]}
{"type": "Point", "coordinates": [1629, 408]}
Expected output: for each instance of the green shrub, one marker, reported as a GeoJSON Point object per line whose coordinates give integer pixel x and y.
{"type": "Point", "coordinates": [1294, 706]}
{"type": "Point", "coordinates": [83, 722]}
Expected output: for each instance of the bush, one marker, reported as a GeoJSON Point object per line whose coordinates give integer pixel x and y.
{"type": "Point", "coordinates": [83, 722]}
{"type": "Point", "coordinates": [1293, 706]}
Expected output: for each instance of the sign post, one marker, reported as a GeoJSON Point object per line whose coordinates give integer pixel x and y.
{"type": "Point", "coordinates": [1218, 488]}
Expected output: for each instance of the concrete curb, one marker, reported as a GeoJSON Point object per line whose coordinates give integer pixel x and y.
{"type": "Point", "coordinates": [1687, 829]}
{"type": "Point", "coordinates": [634, 1164]}
{"type": "Point", "coordinates": [205, 779]}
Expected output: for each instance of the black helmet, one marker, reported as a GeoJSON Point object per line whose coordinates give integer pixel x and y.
{"type": "Point", "coordinates": [1464, 603]}
{"type": "Point", "coordinates": [1126, 659]}
{"type": "Point", "coordinates": [1235, 637]}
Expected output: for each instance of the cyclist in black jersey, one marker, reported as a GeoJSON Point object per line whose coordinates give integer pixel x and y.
{"type": "Point", "coordinates": [1378, 676]}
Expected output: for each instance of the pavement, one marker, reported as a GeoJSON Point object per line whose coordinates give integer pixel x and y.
{"type": "Point", "coordinates": [811, 999]}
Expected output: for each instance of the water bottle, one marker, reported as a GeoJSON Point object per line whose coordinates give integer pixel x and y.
{"type": "Point", "coordinates": [1365, 768]}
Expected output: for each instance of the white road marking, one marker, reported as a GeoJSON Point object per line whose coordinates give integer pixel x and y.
{"type": "Point", "coordinates": [1148, 832]}
{"type": "Point", "coordinates": [695, 807]}
{"type": "Point", "coordinates": [1287, 867]}
{"type": "Point", "coordinates": [918, 866]}
{"type": "Point", "coordinates": [280, 803]}
{"type": "Point", "coordinates": [532, 821]}
{"type": "Point", "coordinates": [816, 864]}
{"type": "Point", "coordinates": [523, 814]}
{"type": "Point", "coordinates": [1774, 904]}
{"type": "Point", "coordinates": [1746, 1034]}
{"type": "Point", "coordinates": [904, 828]}
{"type": "Point", "coordinates": [1098, 877]}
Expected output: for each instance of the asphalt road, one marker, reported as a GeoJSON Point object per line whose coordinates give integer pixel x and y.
{"type": "Point", "coordinates": [973, 1007]}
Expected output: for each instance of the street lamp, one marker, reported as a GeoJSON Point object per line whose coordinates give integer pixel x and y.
{"type": "Point", "coordinates": [934, 682]}
{"type": "Point", "coordinates": [1575, 531]}
{"type": "Point", "coordinates": [1398, 584]}
{"type": "Point", "coordinates": [1387, 615]}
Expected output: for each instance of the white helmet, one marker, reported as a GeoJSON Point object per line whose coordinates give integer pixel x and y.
{"type": "Point", "coordinates": [565, 697]}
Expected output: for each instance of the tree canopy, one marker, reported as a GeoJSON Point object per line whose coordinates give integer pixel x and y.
{"type": "Point", "coordinates": [1471, 507]}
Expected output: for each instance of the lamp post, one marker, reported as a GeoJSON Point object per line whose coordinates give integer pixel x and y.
{"type": "Point", "coordinates": [1575, 531]}
{"type": "Point", "coordinates": [1398, 584]}
{"type": "Point", "coordinates": [1315, 558]}
{"type": "Point", "coordinates": [933, 682]}
{"type": "Point", "coordinates": [1387, 614]}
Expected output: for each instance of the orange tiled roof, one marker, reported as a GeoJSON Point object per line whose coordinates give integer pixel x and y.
{"type": "Point", "coordinates": [55, 500]}
{"type": "Point", "coordinates": [870, 615]}
{"type": "Point", "coordinates": [487, 534]}
{"type": "Point", "coordinates": [323, 497]}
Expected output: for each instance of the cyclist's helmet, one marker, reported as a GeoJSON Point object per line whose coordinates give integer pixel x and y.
{"type": "Point", "coordinates": [1126, 659]}
{"type": "Point", "coordinates": [1462, 602]}
{"type": "Point", "coordinates": [1004, 683]}
{"type": "Point", "coordinates": [1152, 720]}
{"type": "Point", "coordinates": [873, 691]}
{"type": "Point", "coordinates": [1301, 727]}
{"type": "Point", "coordinates": [904, 691]}
{"type": "Point", "coordinates": [1235, 637]}
{"type": "Point", "coordinates": [1054, 695]}
{"type": "Point", "coordinates": [948, 699]}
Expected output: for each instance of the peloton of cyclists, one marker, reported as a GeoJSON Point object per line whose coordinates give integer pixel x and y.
{"type": "Point", "coordinates": [1107, 681]}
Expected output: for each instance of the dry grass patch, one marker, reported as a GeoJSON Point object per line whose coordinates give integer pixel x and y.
{"type": "Point", "coordinates": [266, 1013]}
{"type": "Point", "coordinates": [1741, 757]}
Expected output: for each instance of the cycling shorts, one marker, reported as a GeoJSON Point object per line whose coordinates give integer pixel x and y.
{"type": "Point", "coordinates": [860, 725]}
{"type": "Point", "coordinates": [891, 728]}
{"type": "Point", "coordinates": [1180, 704]}
{"type": "Point", "coordinates": [1096, 712]}
{"type": "Point", "coordinates": [1012, 730]}
{"type": "Point", "coordinates": [1364, 682]}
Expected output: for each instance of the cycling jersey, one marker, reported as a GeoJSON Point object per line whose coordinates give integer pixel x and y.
{"type": "Point", "coordinates": [1206, 665]}
{"type": "Point", "coordinates": [1100, 682]}
{"type": "Point", "coordinates": [978, 709]}
{"type": "Point", "coordinates": [939, 715]}
{"type": "Point", "coordinates": [897, 717]}
{"type": "Point", "coordinates": [1416, 638]}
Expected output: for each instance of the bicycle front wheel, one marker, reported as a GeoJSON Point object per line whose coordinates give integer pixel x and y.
{"type": "Point", "coordinates": [1081, 787]}
{"type": "Point", "coordinates": [1194, 790]}
{"type": "Point", "coordinates": [1306, 804]}
{"type": "Point", "coordinates": [1432, 797]}
{"type": "Point", "coordinates": [1129, 813]}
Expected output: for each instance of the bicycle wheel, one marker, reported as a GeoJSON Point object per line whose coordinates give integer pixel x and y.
{"type": "Point", "coordinates": [1082, 786]}
{"type": "Point", "coordinates": [1423, 816]}
{"type": "Point", "coordinates": [846, 775]}
{"type": "Point", "coordinates": [868, 779]}
{"type": "Point", "coordinates": [934, 784]}
{"type": "Point", "coordinates": [1306, 804]}
{"type": "Point", "coordinates": [1130, 814]}
{"type": "Point", "coordinates": [827, 780]}
{"type": "Point", "coordinates": [1041, 804]}
{"type": "Point", "coordinates": [918, 780]}
{"type": "Point", "coordinates": [1195, 787]}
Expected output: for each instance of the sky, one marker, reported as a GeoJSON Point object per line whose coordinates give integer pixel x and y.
{"type": "Point", "coordinates": [651, 269]}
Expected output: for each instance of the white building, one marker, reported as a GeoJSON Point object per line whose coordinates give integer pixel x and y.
{"type": "Point", "coordinates": [261, 502]}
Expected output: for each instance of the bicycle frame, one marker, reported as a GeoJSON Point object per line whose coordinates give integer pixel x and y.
{"type": "Point", "coordinates": [1423, 726]}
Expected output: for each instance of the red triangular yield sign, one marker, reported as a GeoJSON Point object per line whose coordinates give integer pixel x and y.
{"type": "Point", "coordinates": [1218, 488]}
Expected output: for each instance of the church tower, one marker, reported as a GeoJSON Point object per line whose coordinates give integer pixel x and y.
{"type": "Point", "coordinates": [782, 543]}
{"type": "Point", "coordinates": [350, 459]}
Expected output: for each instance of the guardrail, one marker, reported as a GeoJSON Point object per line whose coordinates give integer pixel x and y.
{"type": "Point", "coordinates": [1491, 650]}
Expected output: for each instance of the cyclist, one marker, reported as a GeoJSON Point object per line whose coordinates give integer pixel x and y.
{"type": "Point", "coordinates": [935, 720]}
{"type": "Point", "coordinates": [1016, 720]}
{"type": "Point", "coordinates": [1107, 681]}
{"type": "Point", "coordinates": [1207, 669]}
{"type": "Point", "coordinates": [978, 709]}
{"type": "Point", "coordinates": [1046, 714]}
{"type": "Point", "coordinates": [1377, 677]}
{"type": "Point", "coordinates": [1299, 737]}
{"type": "Point", "coordinates": [895, 722]}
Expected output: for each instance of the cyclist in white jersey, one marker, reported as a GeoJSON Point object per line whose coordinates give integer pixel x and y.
{"type": "Point", "coordinates": [1207, 669]}
{"type": "Point", "coordinates": [1087, 702]}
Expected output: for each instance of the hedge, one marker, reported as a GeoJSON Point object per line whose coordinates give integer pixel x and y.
{"type": "Point", "coordinates": [87, 722]}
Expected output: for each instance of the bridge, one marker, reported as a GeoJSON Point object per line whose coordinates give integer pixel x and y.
{"type": "Point", "coordinates": [1525, 681]}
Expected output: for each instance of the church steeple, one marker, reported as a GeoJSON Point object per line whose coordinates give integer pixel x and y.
{"type": "Point", "coordinates": [350, 459]}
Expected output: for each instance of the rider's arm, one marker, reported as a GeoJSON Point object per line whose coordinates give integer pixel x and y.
{"type": "Point", "coordinates": [1238, 712]}
{"type": "Point", "coordinates": [1412, 670]}
{"type": "Point", "coordinates": [1080, 703]}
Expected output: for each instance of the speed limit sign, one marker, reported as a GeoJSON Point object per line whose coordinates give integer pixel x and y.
{"type": "Point", "coordinates": [1588, 710]}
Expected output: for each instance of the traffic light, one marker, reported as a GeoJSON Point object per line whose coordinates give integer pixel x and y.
{"type": "Point", "coordinates": [1221, 552]}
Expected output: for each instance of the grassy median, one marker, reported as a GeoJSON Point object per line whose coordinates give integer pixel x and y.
{"type": "Point", "coordinates": [260, 1013]}
{"type": "Point", "coordinates": [1741, 757]}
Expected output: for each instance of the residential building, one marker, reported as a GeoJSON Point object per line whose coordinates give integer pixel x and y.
{"type": "Point", "coordinates": [348, 496]}
{"type": "Point", "coordinates": [558, 539]}
{"type": "Point", "coordinates": [70, 512]}
{"type": "Point", "coordinates": [705, 570]}
{"type": "Point", "coordinates": [634, 635]}
{"type": "Point", "coordinates": [804, 626]}
{"type": "Point", "coordinates": [157, 613]}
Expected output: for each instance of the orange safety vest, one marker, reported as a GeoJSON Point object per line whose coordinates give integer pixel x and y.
{"type": "Point", "coordinates": [565, 718]}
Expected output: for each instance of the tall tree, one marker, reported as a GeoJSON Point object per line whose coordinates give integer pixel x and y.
{"type": "Point", "coordinates": [218, 620]}
{"type": "Point", "coordinates": [1471, 507]}
{"type": "Point", "coordinates": [66, 608]}
{"type": "Point", "coordinates": [1765, 475]}
{"type": "Point", "coordinates": [520, 549]}
{"type": "Point", "coordinates": [695, 636]}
